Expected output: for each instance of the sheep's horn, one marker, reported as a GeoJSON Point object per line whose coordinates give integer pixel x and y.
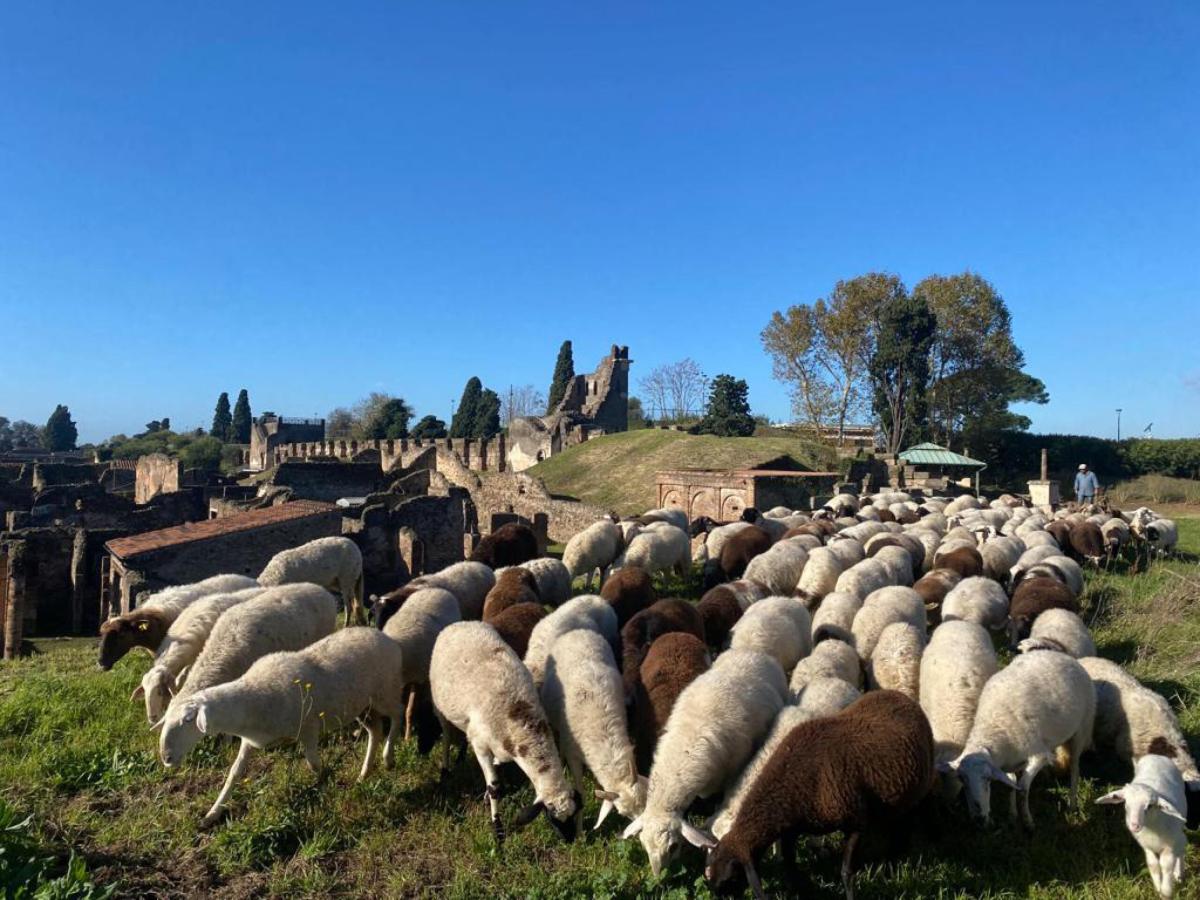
{"type": "Point", "coordinates": [605, 808]}
{"type": "Point", "coordinates": [155, 726]}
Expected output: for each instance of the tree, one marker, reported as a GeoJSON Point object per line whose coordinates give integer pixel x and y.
{"type": "Point", "coordinates": [241, 418]}
{"type": "Point", "coordinates": [899, 370]}
{"type": "Point", "coordinates": [339, 424]}
{"type": "Point", "coordinates": [388, 419]}
{"type": "Point", "coordinates": [487, 416]}
{"type": "Point", "coordinates": [222, 423]}
{"type": "Point", "coordinates": [203, 453]}
{"type": "Point", "coordinates": [462, 424]}
{"type": "Point", "coordinates": [525, 400]}
{"type": "Point", "coordinates": [429, 428]}
{"type": "Point", "coordinates": [157, 425]}
{"type": "Point", "coordinates": [675, 389]}
{"type": "Point", "coordinates": [728, 410]}
{"type": "Point", "coordinates": [637, 416]}
{"type": "Point", "coordinates": [60, 432]}
{"type": "Point", "coordinates": [564, 371]}
{"type": "Point", "coordinates": [975, 366]}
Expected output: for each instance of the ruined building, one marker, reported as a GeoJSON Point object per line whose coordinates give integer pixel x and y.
{"type": "Point", "coordinates": [270, 430]}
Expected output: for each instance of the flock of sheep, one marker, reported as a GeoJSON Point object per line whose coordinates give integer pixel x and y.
{"type": "Point", "coordinates": [838, 672]}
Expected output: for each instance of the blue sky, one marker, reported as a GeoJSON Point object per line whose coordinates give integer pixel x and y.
{"type": "Point", "coordinates": [315, 201]}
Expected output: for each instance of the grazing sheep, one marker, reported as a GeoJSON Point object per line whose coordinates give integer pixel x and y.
{"type": "Point", "coordinates": [671, 515]}
{"type": "Point", "coordinates": [999, 556]}
{"type": "Point", "coordinates": [1061, 630]}
{"type": "Point", "coordinates": [863, 578]}
{"type": "Point", "coordinates": [660, 550]}
{"type": "Point", "coordinates": [285, 617]}
{"type": "Point", "coordinates": [881, 609]}
{"type": "Point", "coordinates": [513, 585]}
{"type": "Point", "coordinates": [480, 687]}
{"type": "Point", "coordinates": [296, 695]}
{"type": "Point", "coordinates": [593, 549]}
{"type": "Point", "coordinates": [895, 663]}
{"type": "Point", "coordinates": [722, 606]}
{"type": "Point", "coordinates": [778, 570]}
{"type": "Point", "coordinates": [773, 527]}
{"type": "Point", "coordinates": [1027, 710]}
{"type": "Point", "coordinates": [334, 563]}
{"type": "Point", "coordinates": [415, 629]}
{"type": "Point", "coordinates": [585, 611]}
{"type": "Point", "coordinates": [847, 551]}
{"type": "Point", "coordinates": [910, 542]}
{"type": "Point", "coordinates": [468, 581]}
{"type": "Point", "coordinates": [663, 617]}
{"type": "Point", "coordinates": [673, 662]}
{"type": "Point", "coordinates": [515, 625]}
{"type": "Point", "coordinates": [1161, 536]}
{"type": "Point", "coordinates": [778, 626]}
{"type": "Point", "coordinates": [147, 626]}
{"type": "Point", "coordinates": [1134, 721]}
{"type": "Point", "coordinates": [508, 545]}
{"type": "Point", "coordinates": [184, 641]}
{"type": "Point", "coordinates": [1155, 814]}
{"type": "Point", "coordinates": [1038, 537]}
{"type": "Point", "coordinates": [553, 579]}
{"type": "Point", "coordinates": [628, 592]}
{"type": "Point", "coordinates": [1063, 568]}
{"type": "Point", "coordinates": [1030, 558]}
{"type": "Point", "coordinates": [869, 764]}
{"type": "Point", "coordinates": [979, 600]}
{"type": "Point", "coordinates": [933, 587]}
{"type": "Point", "coordinates": [1116, 535]}
{"type": "Point", "coordinates": [1086, 543]}
{"type": "Point", "coordinates": [834, 618]}
{"type": "Point", "coordinates": [737, 553]}
{"type": "Point", "coordinates": [966, 561]}
{"type": "Point", "coordinates": [585, 703]}
{"type": "Point", "coordinates": [819, 577]}
{"type": "Point", "coordinates": [1033, 597]}
{"type": "Point", "coordinates": [717, 536]}
{"type": "Point", "coordinates": [829, 659]}
{"type": "Point", "coordinates": [713, 730]}
{"type": "Point", "coordinates": [898, 562]}
{"type": "Point", "coordinates": [954, 668]}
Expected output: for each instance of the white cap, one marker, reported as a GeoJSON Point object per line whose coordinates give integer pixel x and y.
{"type": "Point", "coordinates": [1082, 466]}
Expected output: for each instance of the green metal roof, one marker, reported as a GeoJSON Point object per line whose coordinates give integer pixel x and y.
{"type": "Point", "coordinates": [933, 455]}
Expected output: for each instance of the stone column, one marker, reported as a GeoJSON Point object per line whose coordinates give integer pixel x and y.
{"type": "Point", "coordinates": [14, 623]}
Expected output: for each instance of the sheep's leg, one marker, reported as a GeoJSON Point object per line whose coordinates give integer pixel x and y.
{"type": "Point", "coordinates": [1076, 748]}
{"type": "Point", "coordinates": [310, 741]}
{"type": "Point", "coordinates": [492, 791]}
{"type": "Point", "coordinates": [575, 764]}
{"type": "Point", "coordinates": [1032, 767]}
{"type": "Point", "coordinates": [389, 746]}
{"type": "Point", "coordinates": [1012, 805]}
{"type": "Point", "coordinates": [1156, 874]}
{"type": "Point", "coordinates": [235, 773]}
{"type": "Point", "coordinates": [409, 708]}
{"type": "Point", "coordinates": [848, 864]}
{"type": "Point", "coordinates": [1166, 878]}
{"type": "Point", "coordinates": [445, 769]}
{"type": "Point", "coordinates": [374, 736]}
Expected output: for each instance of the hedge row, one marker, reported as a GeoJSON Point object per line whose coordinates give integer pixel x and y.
{"type": "Point", "coordinates": [1016, 457]}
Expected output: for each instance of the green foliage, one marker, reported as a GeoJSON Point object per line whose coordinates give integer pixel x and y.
{"type": "Point", "coordinates": [222, 423]}
{"type": "Point", "coordinates": [899, 369]}
{"type": "Point", "coordinates": [27, 872]}
{"type": "Point", "coordinates": [388, 419]}
{"type": "Point", "coordinates": [637, 415]}
{"type": "Point", "coordinates": [564, 371]}
{"type": "Point", "coordinates": [462, 425]}
{"type": "Point", "coordinates": [487, 416]}
{"type": "Point", "coordinates": [242, 419]}
{"type": "Point", "coordinates": [60, 432]}
{"type": "Point", "coordinates": [728, 410]}
{"type": "Point", "coordinates": [429, 428]}
{"type": "Point", "coordinates": [202, 453]}
{"type": "Point", "coordinates": [163, 424]}
{"type": "Point", "coordinates": [1180, 458]}
{"type": "Point", "coordinates": [231, 459]}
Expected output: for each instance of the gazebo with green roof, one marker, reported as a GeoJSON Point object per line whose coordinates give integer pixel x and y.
{"type": "Point", "coordinates": [936, 460]}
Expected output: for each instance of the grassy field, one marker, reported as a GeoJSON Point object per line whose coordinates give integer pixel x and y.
{"type": "Point", "coordinates": [78, 759]}
{"type": "Point", "coordinates": [616, 471]}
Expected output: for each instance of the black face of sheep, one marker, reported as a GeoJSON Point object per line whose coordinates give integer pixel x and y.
{"type": "Point", "coordinates": [701, 525]}
{"type": "Point", "coordinates": [567, 828]}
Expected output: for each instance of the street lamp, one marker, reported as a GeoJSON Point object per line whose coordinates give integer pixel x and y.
{"type": "Point", "coordinates": [1118, 425]}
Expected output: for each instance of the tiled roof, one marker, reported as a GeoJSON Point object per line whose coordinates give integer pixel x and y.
{"type": "Point", "coordinates": [147, 541]}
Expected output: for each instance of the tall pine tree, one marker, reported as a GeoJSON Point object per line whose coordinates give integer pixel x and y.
{"type": "Point", "coordinates": [463, 423]}
{"type": "Point", "coordinates": [222, 423]}
{"type": "Point", "coordinates": [60, 432]}
{"type": "Point", "coordinates": [728, 412]}
{"type": "Point", "coordinates": [564, 371]}
{"type": "Point", "coordinates": [899, 371]}
{"type": "Point", "coordinates": [487, 415]}
{"type": "Point", "coordinates": [241, 418]}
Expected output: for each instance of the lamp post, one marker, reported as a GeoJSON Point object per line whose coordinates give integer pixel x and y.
{"type": "Point", "coordinates": [1118, 425]}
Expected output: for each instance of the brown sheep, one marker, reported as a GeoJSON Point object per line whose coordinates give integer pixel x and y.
{"type": "Point", "coordinates": [1032, 597]}
{"type": "Point", "coordinates": [966, 561]}
{"type": "Point", "coordinates": [812, 528]}
{"type": "Point", "coordinates": [673, 662]}
{"type": "Point", "coordinates": [628, 591]}
{"type": "Point", "coordinates": [515, 624]}
{"type": "Point", "coordinates": [141, 628]}
{"type": "Point", "coordinates": [871, 764]}
{"type": "Point", "coordinates": [663, 617]}
{"type": "Point", "coordinates": [742, 547]}
{"type": "Point", "coordinates": [387, 605]}
{"type": "Point", "coordinates": [933, 587]}
{"type": "Point", "coordinates": [722, 606]}
{"type": "Point", "coordinates": [886, 515]}
{"type": "Point", "coordinates": [1060, 530]}
{"type": "Point", "coordinates": [508, 545]}
{"type": "Point", "coordinates": [1086, 543]}
{"type": "Point", "coordinates": [513, 585]}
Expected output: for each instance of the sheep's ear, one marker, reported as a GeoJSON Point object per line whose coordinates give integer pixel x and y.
{"type": "Point", "coordinates": [202, 719]}
{"type": "Point", "coordinates": [1168, 808]}
{"type": "Point", "coordinates": [527, 815]}
{"type": "Point", "coordinates": [605, 795]}
{"type": "Point", "coordinates": [157, 726]}
{"type": "Point", "coordinates": [696, 837]}
{"type": "Point", "coordinates": [633, 828]}
{"type": "Point", "coordinates": [644, 781]}
{"type": "Point", "coordinates": [181, 677]}
{"type": "Point", "coordinates": [138, 693]}
{"type": "Point", "coordinates": [1112, 797]}
{"type": "Point", "coordinates": [605, 808]}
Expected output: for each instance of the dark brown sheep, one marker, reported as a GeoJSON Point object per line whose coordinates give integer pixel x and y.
{"type": "Point", "coordinates": [387, 605]}
{"type": "Point", "coordinates": [673, 662]}
{"type": "Point", "coordinates": [933, 587]}
{"type": "Point", "coordinates": [663, 617]}
{"type": "Point", "coordinates": [905, 542]}
{"type": "Point", "coordinates": [885, 515]}
{"type": "Point", "coordinates": [515, 624]}
{"type": "Point", "coordinates": [628, 592]}
{"type": "Point", "coordinates": [140, 628]}
{"type": "Point", "coordinates": [508, 545]}
{"type": "Point", "coordinates": [722, 606]}
{"type": "Point", "coordinates": [1032, 597]}
{"type": "Point", "coordinates": [966, 561]}
{"type": "Point", "coordinates": [1060, 530]}
{"type": "Point", "coordinates": [514, 585]}
{"type": "Point", "coordinates": [869, 765]}
{"type": "Point", "coordinates": [742, 547]}
{"type": "Point", "coordinates": [1086, 543]}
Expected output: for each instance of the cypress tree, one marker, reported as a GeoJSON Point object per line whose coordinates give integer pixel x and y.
{"type": "Point", "coordinates": [564, 371]}
{"type": "Point", "coordinates": [241, 418]}
{"type": "Point", "coordinates": [487, 415]}
{"type": "Point", "coordinates": [463, 423]}
{"type": "Point", "coordinates": [60, 432]}
{"type": "Point", "coordinates": [222, 423]}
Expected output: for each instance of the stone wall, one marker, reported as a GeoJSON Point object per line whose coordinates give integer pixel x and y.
{"type": "Point", "coordinates": [724, 495]}
{"type": "Point", "coordinates": [514, 493]}
{"type": "Point", "coordinates": [327, 479]}
{"type": "Point", "coordinates": [269, 432]}
{"type": "Point", "coordinates": [478, 456]}
{"type": "Point", "coordinates": [157, 474]}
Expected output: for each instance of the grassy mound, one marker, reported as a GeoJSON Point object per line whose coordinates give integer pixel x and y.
{"type": "Point", "coordinates": [616, 471]}
{"type": "Point", "coordinates": [1156, 490]}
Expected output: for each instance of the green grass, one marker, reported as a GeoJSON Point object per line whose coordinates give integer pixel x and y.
{"type": "Point", "coordinates": [617, 471]}
{"type": "Point", "coordinates": [1156, 491]}
{"type": "Point", "coordinates": [78, 757]}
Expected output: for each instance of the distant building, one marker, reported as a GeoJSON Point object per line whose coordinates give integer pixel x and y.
{"type": "Point", "coordinates": [270, 430]}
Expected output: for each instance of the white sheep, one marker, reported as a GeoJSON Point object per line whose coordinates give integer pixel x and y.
{"type": "Point", "coordinates": [829, 659]}
{"type": "Point", "coordinates": [716, 539]}
{"type": "Point", "coordinates": [468, 581]}
{"type": "Point", "coordinates": [778, 626]}
{"type": "Point", "coordinates": [1068, 571]}
{"type": "Point", "coordinates": [847, 550]}
{"type": "Point", "coordinates": [779, 568]}
{"type": "Point", "coordinates": [955, 666]}
{"type": "Point", "coordinates": [979, 600]}
{"type": "Point", "coordinates": [585, 611]}
{"type": "Point", "coordinates": [481, 688]}
{"type": "Point", "coordinates": [899, 563]}
{"type": "Point", "coordinates": [584, 698]}
{"type": "Point", "coordinates": [294, 696]}
{"type": "Point", "coordinates": [863, 578]}
{"type": "Point", "coordinates": [415, 629]}
{"type": "Point", "coordinates": [1155, 814]}
{"type": "Point", "coordinates": [1161, 536]}
{"type": "Point", "coordinates": [1061, 630]}
{"type": "Point", "coordinates": [880, 609]}
{"type": "Point", "coordinates": [593, 549]}
{"type": "Point", "coordinates": [285, 617]}
{"type": "Point", "coordinates": [334, 563]}
{"type": "Point", "coordinates": [658, 550]}
{"type": "Point", "coordinates": [895, 663]}
{"type": "Point", "coordinates": [1028, 709]}
{"type": "Point", "coordinates": [712, 731]}
{"type": "Point", "coordinates": [1031, 557]}
{"type": "Point", "coordinates": [672, 515]}
{"type": "Point", "coordinates": [834, 618]}
{"type": "Point", "coordinates": [819, 576]}
{"type": "Point", "coordinates": [999, 556]}
{"type": "Point", "coordinates": [553, 579]}
{"type": "Point", "coordinates": [184, 641]}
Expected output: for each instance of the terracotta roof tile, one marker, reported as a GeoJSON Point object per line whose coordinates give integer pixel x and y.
{"type": "Point", "coordinates": [147, 541]}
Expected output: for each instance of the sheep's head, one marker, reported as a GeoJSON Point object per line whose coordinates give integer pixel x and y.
{"type": "Point", "coordinates": [145, 628]}
{"type": "Point", "coordinates": [156, 687]}
{"type": "Point", "coordinates": [629, 800]}
{"type": "Point", "coordinates": [182, 728]}
{"type": "Point", "coordinates": [1138, 800]}
{"type": "Point", "coordinates": [659, 835]}
{"type": "Point", "coordinates": [977, 772]}
{"type": "Point", "coordinates": [559, 809]}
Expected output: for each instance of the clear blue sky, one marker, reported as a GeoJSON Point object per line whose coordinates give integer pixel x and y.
{"type": "Point", "coordinates": [315, 201]}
